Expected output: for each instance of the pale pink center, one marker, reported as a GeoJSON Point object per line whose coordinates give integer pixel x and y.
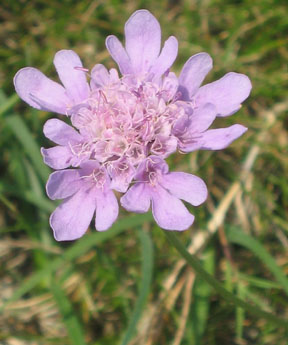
{"type": "Point", "coordinates": [127, 120]}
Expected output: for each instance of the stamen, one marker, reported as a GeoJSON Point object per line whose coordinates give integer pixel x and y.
{"type": "Point", "coordinates": [78, 68]}
{"type": "Point", "coordinates": [152, 178]}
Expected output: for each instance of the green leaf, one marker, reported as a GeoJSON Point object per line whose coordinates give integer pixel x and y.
{"type": "Point", "coordinates": [259, 282]}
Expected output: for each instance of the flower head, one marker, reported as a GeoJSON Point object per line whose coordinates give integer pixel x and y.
{"type": "Point", "coordinates": [124, 127]}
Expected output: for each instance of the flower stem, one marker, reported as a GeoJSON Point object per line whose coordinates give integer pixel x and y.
{"type": "Point", "coordinates": [228, 296]}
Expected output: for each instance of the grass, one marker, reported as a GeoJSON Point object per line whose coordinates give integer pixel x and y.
{"type": "Point", "coordinates": [129, 285]}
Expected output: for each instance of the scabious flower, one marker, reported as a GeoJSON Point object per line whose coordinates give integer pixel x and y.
{"type": "Point", "coordinates": [124, 127]}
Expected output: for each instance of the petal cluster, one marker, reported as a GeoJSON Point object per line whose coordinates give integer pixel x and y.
{"type": "Point", "coordinates": [124, 127]}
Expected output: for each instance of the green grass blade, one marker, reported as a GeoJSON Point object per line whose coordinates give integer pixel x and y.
{"type": "Point", "coordinates": [147, 269]}
{"type": "Point", "coordinates": [25, 137]}
{"type": "Point", "coordinates": [238, 237]}
{"type": "Point", "coordinates": [240, 312]}
{"type": "Point", "coordinates": [73, 326]}
{"type": "Point", "coordinates": [201, 299]}
{"type": "Point", "coordinates": [259, 282]}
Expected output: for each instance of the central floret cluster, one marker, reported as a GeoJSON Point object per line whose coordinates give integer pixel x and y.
{"type": "Point", "coordinates": [126, 119]}
{"type": "Point", "coordinates": [125, 127]}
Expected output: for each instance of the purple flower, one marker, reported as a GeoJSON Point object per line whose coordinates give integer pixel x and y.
{"type": "Point", "coordinates": [123, 127]}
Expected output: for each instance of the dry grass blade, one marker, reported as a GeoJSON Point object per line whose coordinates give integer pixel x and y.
{"type": "Point", "coordinates": [200, 238]}
{"type": "Point", "coordinates": [185, 309]}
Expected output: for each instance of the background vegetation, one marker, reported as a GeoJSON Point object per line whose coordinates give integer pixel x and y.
{"type": "Point", "coordinates": [129, 285]}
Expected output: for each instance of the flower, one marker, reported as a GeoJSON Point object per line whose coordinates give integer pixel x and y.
{"type": "Point", "coordinates": [124, 127]}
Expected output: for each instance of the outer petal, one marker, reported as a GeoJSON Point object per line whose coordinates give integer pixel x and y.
{"type": "Point", "coordinates": [137, 199]}
{"type": "Point", "coordinates": [62, 184]}
{"type": "Point", "coordinates": [186, 187]}
{"type": "Point", "coordinates": [71, 219]}
{"type": "Point", "coordinates": [202, 118]}
{"type": "Point", "coordinates": [40, 92]}
{"type": "Point", "coordinates": [226, 94]}
{"type": "Point", "coordinates": [193, 73]}
{"type": "Point", "coordinates": [73, 79]}
{"type": "Point", "coordinates": [60, 133]}
{"type": "Point", "coordinates": [181, 126]}
{"type": "Point", "coordinates": [169, 212]}
{"type": "Point", "coordinates": [167, 57]}
{"type": "Point", "coordinates": [119, 54]}
{"type": "Point", "coordinates": [195, 143]}
{"type": "Point", "coordinates": [106, 210]}
{"type": "Point", "coordinates": [169, 86]}
{"type": "Point", "coordinates": [213, 139]}
{"type": "Point", "coordinates": [99, 76]}
{"type": "Point", "coordinates": [57, 157]}
{"type": "Point", "coordinates": [218, 139]}
{"type": "Point", "coordinates": [143, 40]}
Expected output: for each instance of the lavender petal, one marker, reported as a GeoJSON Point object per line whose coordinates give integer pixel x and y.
{"type": "Point", "coordinates": [143, 39]}
{"type": "Point", "coordinates": [202, 118]}
{"type": "Point", "coordinates": [167, 57]}
{"type": "Point", "coordinates": [169, 212]}
{"type": "Point", "coordinates": [226, 94]}
{"type": "Point", "coordinates": [68, 66]}
{"type": "Point", "coordinates": [119, 54]}
{"type": "Point", "coordinates": [62, 184]}
{"type": "Point", "coordinates": [99, 76]}
{"type": "Point", "coordinates": [57, 157]}
{"type": "Point", "coordinates": [40, 92]}
{"type": "Point", "coordinates": [218, 139]}
{"type": "Point", "coordinates": [193, 73]}
{"type": "Point", "coordinates": [185, 186]}
{"type": "Point", "coordinates": [60, 133]}
{"type": "Point", "coordinates": [72, 218]}
{"type": "Point", "coordinates": [136, 199]}
{"type": "Point", "coordinates": [106, 209]}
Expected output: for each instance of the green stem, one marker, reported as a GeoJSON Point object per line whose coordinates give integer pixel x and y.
{"type": "Point", "coordinates": [228, 296]}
